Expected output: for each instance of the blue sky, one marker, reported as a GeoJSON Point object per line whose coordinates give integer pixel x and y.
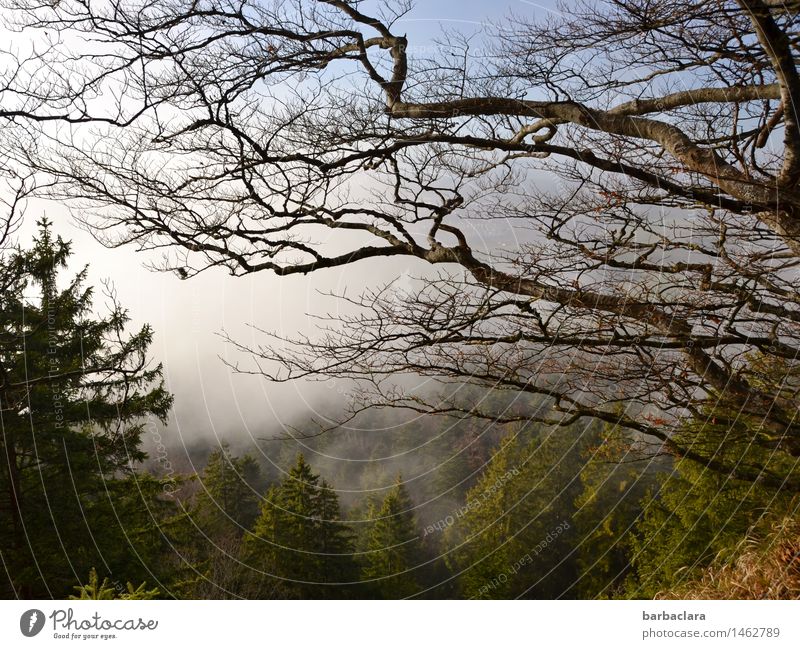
{"type": "Point", "coordinates": [467, 13]}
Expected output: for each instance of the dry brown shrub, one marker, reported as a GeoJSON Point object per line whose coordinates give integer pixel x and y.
{"type": "Point", "coordinates": [765, 566]}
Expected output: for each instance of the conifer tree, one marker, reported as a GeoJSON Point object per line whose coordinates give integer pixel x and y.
{"type": "Point", "coordinates": [479, 540]}
{"type": "Point", "coordinates": [97, 590]}
{"type": "Point", "coordinates": [700, 513]}
{"type": "Point", "coordinates": [516, 533]}
{"type": "Point", "coordinates": [299, 547]}
{"type": "Point", "coordinates": [697, 515]}
{"type": "Point", "coordinates": [616, 477]}
{"type": "Point", "coordinates": [75, 390]}
{"type": "Point", "coordinates": [393, 546]}
{"type": "Point", "coordinates": [334, 542]}
{"type": "Point", "coordinates": [228, 499]}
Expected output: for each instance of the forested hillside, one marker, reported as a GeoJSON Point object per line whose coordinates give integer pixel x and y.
{"type": "Point", "coordinates": [388, 506]}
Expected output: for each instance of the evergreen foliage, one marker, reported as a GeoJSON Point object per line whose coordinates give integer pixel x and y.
{"type": "Point", "coordinates": [393, 547]}
{"type": "Point", "coordinates": [75, 393]}
{"type": "Point", "coordinates": [299, 545]}
{"type": "Point", "coordinates": [516, 533]}
{"type": "Point", "coordinates": [96, 590]}
{"type": "Point", "coordinates": [228, 501]}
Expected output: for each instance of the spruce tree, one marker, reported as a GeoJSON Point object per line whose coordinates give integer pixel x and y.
{"type": "Point", "coordinates": [700, 513]}
{"type": "Point", "coordinates": [616, 478]}
{"type": "Point", "coordinates": [478, 540]}
{"type": "Point", "coordinates": [299, 547]}
{"type": "Point", "coordinates": [334, 543]}
{"type": "Point", "coordinates": [75, 392]}
{"type": "Point", "coordinates": [696, 515]}
{"type": "Point", "coordinates": [392, 547]}
{"type": "Point", "coordinates": [515, 536]}
{"type": "Point", "coordinates": [228, 498]}
{"type": "Point", "coordinates": [94, 589]}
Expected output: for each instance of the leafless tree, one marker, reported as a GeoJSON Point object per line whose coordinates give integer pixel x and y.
{"type": "Point", "coordinates": [607, 200]}
{"type": "Point", "coordinates": [41, 90]}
